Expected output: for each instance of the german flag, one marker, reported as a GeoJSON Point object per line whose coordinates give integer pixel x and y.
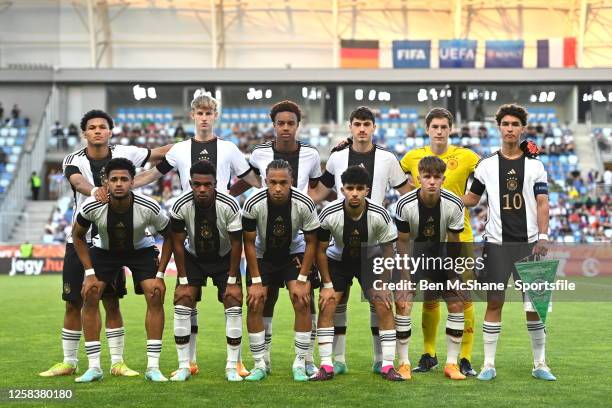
{"type": "Point", "coordinates": [359, 53]}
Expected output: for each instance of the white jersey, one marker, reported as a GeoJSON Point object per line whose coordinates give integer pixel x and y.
{"type": "Point", "coordinates": [123, 232]}
{"type": "Point", "coordinates": [208, 230]}
{"type": "Point", "coordinates": [93, 170]}
{"type": "Point", "coordinates": [429, 223]}
{"type": "Point", "coordinates": [373, 229]}
{"type": "Point", "coordinates": [512, 187]}
{"type": "Point", "coordinates": [305, 163]}
{"type": "Point", "coordinates": [225, 156]}
{"type": "Point", "coordinates": [278, 227]}
{"type": "Point", "coordinates": [381, 164]}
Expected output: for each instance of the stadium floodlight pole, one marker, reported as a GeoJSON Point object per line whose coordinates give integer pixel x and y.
{"type": "Point", "coordinates": [92, 33]}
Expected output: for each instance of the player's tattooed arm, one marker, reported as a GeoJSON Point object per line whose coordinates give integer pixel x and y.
{"type": "Point", "coordinates": [158, 153]}
{"type": "Point", "coordinates": [256, 296]}
{"type": "Point", "coordinates": [167, 248]}
{"type": "Point", "coordinates": [543, 210]}
{"type": "Point", "coordinates": [326, 295]}
{"type": "Point", "coordinates": [234, 291]}
{"type": "Point", "coordinates": [80, 245]}
{"type": "Point", "coordinates": [470, 199]}
{"type": "Point", "coordinates": [319, 193]}
{"type": "Point", "coordinates": [147, 177]}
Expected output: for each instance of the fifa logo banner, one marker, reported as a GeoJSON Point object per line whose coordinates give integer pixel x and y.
{"type": "Point", "coordinates": [504, 54]}
{"type": "Point", "coordinates": [411, 54]}
{"type": "Point", "coordinates": [457, 53]}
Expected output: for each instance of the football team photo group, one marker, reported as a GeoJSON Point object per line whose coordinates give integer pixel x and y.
{"type": "Point", "coordinates": [280, 223]}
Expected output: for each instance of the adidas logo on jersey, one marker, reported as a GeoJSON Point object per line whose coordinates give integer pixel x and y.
{"type": "Point", "coordinates": [512, 171]}
{"type": "Point", "coordinates": [204, 151]}
{"type": "Point", "coordinates": [430, 219]}
{"type": "Point", "coordinates": [120, 225]}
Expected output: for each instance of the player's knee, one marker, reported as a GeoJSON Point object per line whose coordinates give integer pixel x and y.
{"type": "Point", "coordinates": [403, 308]}
{"type": "Point", "coordinates": [73, 308]}
{"type": "Point", "coordinates": [455, 307]}
{"type": "Point", "coordinates": [155, 297]}
{"type": "Point", "coordinates": [111, 305]}
{"type": "Point", "coordinates": [495, 305]}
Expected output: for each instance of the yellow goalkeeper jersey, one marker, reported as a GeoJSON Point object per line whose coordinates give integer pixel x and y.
{"type": "Point", "coordinates": [460, 163]}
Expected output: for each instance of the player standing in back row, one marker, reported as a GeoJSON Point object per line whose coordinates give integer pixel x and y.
{"type": "Point", "coordinates": [84, 171]}
{"type": "Point", "coordinates": [306, 166]}
{"type": "Point", "coordinates": [516, 185]}
{"type": "Point", "coordinates": [385, 172]}
{"type": "Point", "coordinates": [228, 161]}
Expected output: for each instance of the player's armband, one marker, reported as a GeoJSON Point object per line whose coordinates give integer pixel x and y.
{"type": "Point", "coordinates": [323, 234]}
{"type": "Point", "coordinates": [327, 179]}
{"type": "Point", "coordinates": [402, 226]}
{"type": "Point", "coordinates": [177, 225]}
{"type": "Point", "coordinates": [249, 224]}
{"type": "Point", "coordinates": [83, 222]}
{"type": "Point", "coordinates": [163, 166]}
{"type": "Point", "coordinates": [477, 187]}
{"type": "Point", "coordinates": [540, 188]}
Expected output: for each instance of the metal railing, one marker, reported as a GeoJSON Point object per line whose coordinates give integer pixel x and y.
{"type": "Point", "coordinates": [32, 159]}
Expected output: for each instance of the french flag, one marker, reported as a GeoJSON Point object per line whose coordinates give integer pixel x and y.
{"type": "Point", "coordinates": [557, 53]}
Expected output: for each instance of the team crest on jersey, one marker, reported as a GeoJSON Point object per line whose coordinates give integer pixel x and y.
{"type": "Point", "coordinates": [429, 230]}
{"type": "Point", "coordinates": [511, 180]}
{"type": "Point", "coordinates": [67, 289]}
{"type": "Point", "coordinates": [205, 231]}
{"type": "Point", "coordinates": [279, 227]}
{"type": "Point", "coordinates": [452, 163]}
{"type": "Point", "coordinates": [354, 243]}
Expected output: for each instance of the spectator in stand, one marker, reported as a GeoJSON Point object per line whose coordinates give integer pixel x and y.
{"type": "Point", "coordinates": [607, 179]}
{"type": "Point", "coordinates": [15, 112]}
{"type": "Point", "coordinates": [483, 133]}
{"type": "Point", "coordinates": [1, 114]}
{"type": "Point", "coordinates": [3, 157]}
{"type": "Point", "coordinates": [35, 185]}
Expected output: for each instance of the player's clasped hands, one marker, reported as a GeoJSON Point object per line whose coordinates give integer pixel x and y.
{"type": "Point", "coordinates": [256, 295]}
{"type": "Point", "coordinates": [301, 294]}
{"type": "Point", "coordinates": [181, 292]}
{"type": "Point", "coordinates": [326, 297]}
{"type": "Point", "coordinates": [90, 283]}
{"type": "Point", "coordinates": [233, 291]}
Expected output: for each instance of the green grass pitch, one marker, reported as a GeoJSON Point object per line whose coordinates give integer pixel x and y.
{"type": "Point", "coordinates": [578, 351]}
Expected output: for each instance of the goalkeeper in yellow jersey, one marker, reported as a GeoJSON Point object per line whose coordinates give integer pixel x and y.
{"type": "Point", "coordinates": [460, 164]}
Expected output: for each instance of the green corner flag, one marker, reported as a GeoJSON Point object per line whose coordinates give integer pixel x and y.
{"type": "Point", "coordinates": [538, 272]}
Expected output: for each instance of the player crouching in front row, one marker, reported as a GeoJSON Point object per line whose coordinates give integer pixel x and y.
{"type": "Point", "coordinates": [357, 225]}
{"type": "Point", "coordinates": [277, 254]}
{"type": "Point", "coordinates": [122, 241]}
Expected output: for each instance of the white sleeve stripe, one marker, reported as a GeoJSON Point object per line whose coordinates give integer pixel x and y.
{"type": "Point", "coordinates": [230, 202]}
{"type": "Point", "coordinates": [182, 201]}
{"type": "Point", "coordinates": [327, 211]}
{"type": "Point", "coordinates": [305, 199]}
{"type": "Point", "coordinates": [404, 202]}
{"type": "Point", "coordinates": [250, 203]}
{"type": "Point", "coordinates": [92, 206]}
{"type": "Point", "coordinates": [380, 211]}
{"type": "Point", "coordinates": [453, 199]}
{"type": "Point", "coordinates": [145, 203]}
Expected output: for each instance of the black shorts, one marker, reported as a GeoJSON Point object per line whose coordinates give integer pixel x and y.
{"type": "Point", "coordinates": [143, 264]}
{"type": "Point", "coordinates": [279, 272]}
{"type": "Point", "coordinates": [499, 260]}
{"type": "Point", "coordinates": [199, 271]}
{"type": "Point", "coordinates": [73, 275]}
{"type": "Point", "coordinates": [342, 274]}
